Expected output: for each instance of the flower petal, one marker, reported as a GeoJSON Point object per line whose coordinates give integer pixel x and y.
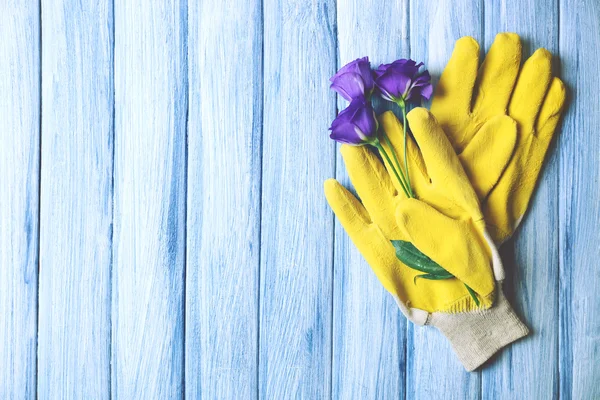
{"type": "Point", "coordinates": [354, 79]}
{"type": "Point", "coordinates": [356, 124]}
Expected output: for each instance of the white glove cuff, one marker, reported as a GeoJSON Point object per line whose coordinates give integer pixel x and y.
{"type": "Point", "coordinates": [475, 336]}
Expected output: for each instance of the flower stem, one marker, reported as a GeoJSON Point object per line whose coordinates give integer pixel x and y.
{"type": "Point", "coordinates": [403, 108]}
{"type": "Point", "coordinates": [379, 147]}
{"type": "Point", "coordinates": [395, 156]}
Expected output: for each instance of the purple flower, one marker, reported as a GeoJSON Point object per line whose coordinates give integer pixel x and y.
{"type": "Point", "coordinates": [354, 79]}
{"type": "Point", "coordinates": [401, 80]}
{"type": "Point", "coordinates": [356, 124]}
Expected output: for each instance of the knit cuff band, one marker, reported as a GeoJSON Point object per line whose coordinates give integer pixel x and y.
{"type": "Point", "coordinates": [475, 336]}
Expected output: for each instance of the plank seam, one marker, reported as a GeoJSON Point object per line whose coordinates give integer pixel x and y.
{"type": "Point", "coordinates": [39, 234]}
{"type": "Point", "coordinates": [185, 17]}
{"type": "Point", "coordinates": [558, 228]}
{"type": "Point", "coordinates": [260, 195]}
{"type": "Point", "coordinates": [332, 305]}
{"type": "Point", "coordinates": [112, 224]}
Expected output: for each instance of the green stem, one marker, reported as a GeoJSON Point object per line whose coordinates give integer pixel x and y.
{"type": "Point", "coordinates": [403, 108]}
{"type": "Point", "coordinates": [379, 147]}
{"type": "Point", "coordinates": [395, 156]}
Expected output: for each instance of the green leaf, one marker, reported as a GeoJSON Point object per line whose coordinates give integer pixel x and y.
{"type": "Point", "coordinates": [413, 258]}
{"type": "Point", "coordinates": [473, 294]}
{"type": "Point", "coordinates": [433, 277]}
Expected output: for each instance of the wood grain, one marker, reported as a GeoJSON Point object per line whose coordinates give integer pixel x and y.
{"type": "Point", "coordinates": [369, 331]}
{"type": "Point", "coordinates": [243, 285]}
{"type": "Point", "coordinates": [149, 199]}
{"type": "Point", "coordinates": [297, 225]}
{"type": "Point", "coordinates": [579, 342]}
{"type": "Point", "coordinates": [76, 200]}
{"type": "Point", "coordinates": [223, 217]}
{"type": "Point", "coordinates": [529, 367]}
{"type": "Point", "coordinates": [434, 27]}
{"type": "Point", "coordinates": [19, 196]}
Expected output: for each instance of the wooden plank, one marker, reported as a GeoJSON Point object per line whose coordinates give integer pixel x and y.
{"type": "Point", "coordinates": [531, 257]}
{"type": "Point", "coordinates": [433, 371]}
{"type": "Point", "coordinates": [297, 225]}
{"type": "Point", "coordinates": [19, 197]}
{"type": "Point", "coordinates": [223, 229]}
{"type": "Point", "coordinates": [369, 331]}
{"type": "Point", "coordinates": [76, 200]}
{"type": "Point", "coordinates": [579, 343]}
{"type": "Point", "coordinates": [149, 198]}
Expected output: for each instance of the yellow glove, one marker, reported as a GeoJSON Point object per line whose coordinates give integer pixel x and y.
{"type": "Point", "coordinates": [533, 98]}
{"type": "Point", "coordinates": [445, 222]}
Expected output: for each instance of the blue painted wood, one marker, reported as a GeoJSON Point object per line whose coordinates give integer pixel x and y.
{"type": "Point", "coordinates": [297, 225]}
{"type": "Point", "coordinates": [278, 304]}
{"type": "Point", "coordinates": [433, 371]}
{"type": "Point", "coordinates": [19, 195]}
{"type": "Point", "coordinates": [149, 199]}
{"type": "Point", "coordinates": [579, 342]}
{"type": "Point", "coordinates": [223, 217]}
{"type": "Point", "coordinates": [529, 368]}
{"type": "Point", "coordinates": [76, 200]}
{"type": "Point", "coordinates": [369, 331]}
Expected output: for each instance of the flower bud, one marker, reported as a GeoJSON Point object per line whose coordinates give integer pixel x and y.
{"type": "Point", "coordinates": [354, 79]}
{"type": "Point", "coordinates": [356, 124]}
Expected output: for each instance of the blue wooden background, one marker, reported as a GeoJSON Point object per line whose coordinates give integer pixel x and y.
{"type": "Point", "coordinates": [163, 228]}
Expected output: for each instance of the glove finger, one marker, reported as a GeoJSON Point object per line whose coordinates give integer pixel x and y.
{"type": "Point", "coordinates": [452, 244]}
{"type": "Point", "coordinates": [530, 90]}
{"type": "Point", "coordinates": [455, 87]}
{"type": "Point", "coordinates": [503, 209]}
{"type": "Point", "coordinates": [373, 185]}
{"type": "Point", "coordinates": [369, 240]}
{"type": "Point", "coordinates": [551, 111]}
{"type": "Point", "coordinates": [352, 215]}
{"type": "Point", "coordinates": [487, 155]}
{"type": "Point", "coordinates": [441, 162]}
{"type": "Point", "coordinates": [497, 75]}
{"type": "Point", "coordinates": [508, 201]}
{"type": "Point", "coordinates": [395, 133]}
